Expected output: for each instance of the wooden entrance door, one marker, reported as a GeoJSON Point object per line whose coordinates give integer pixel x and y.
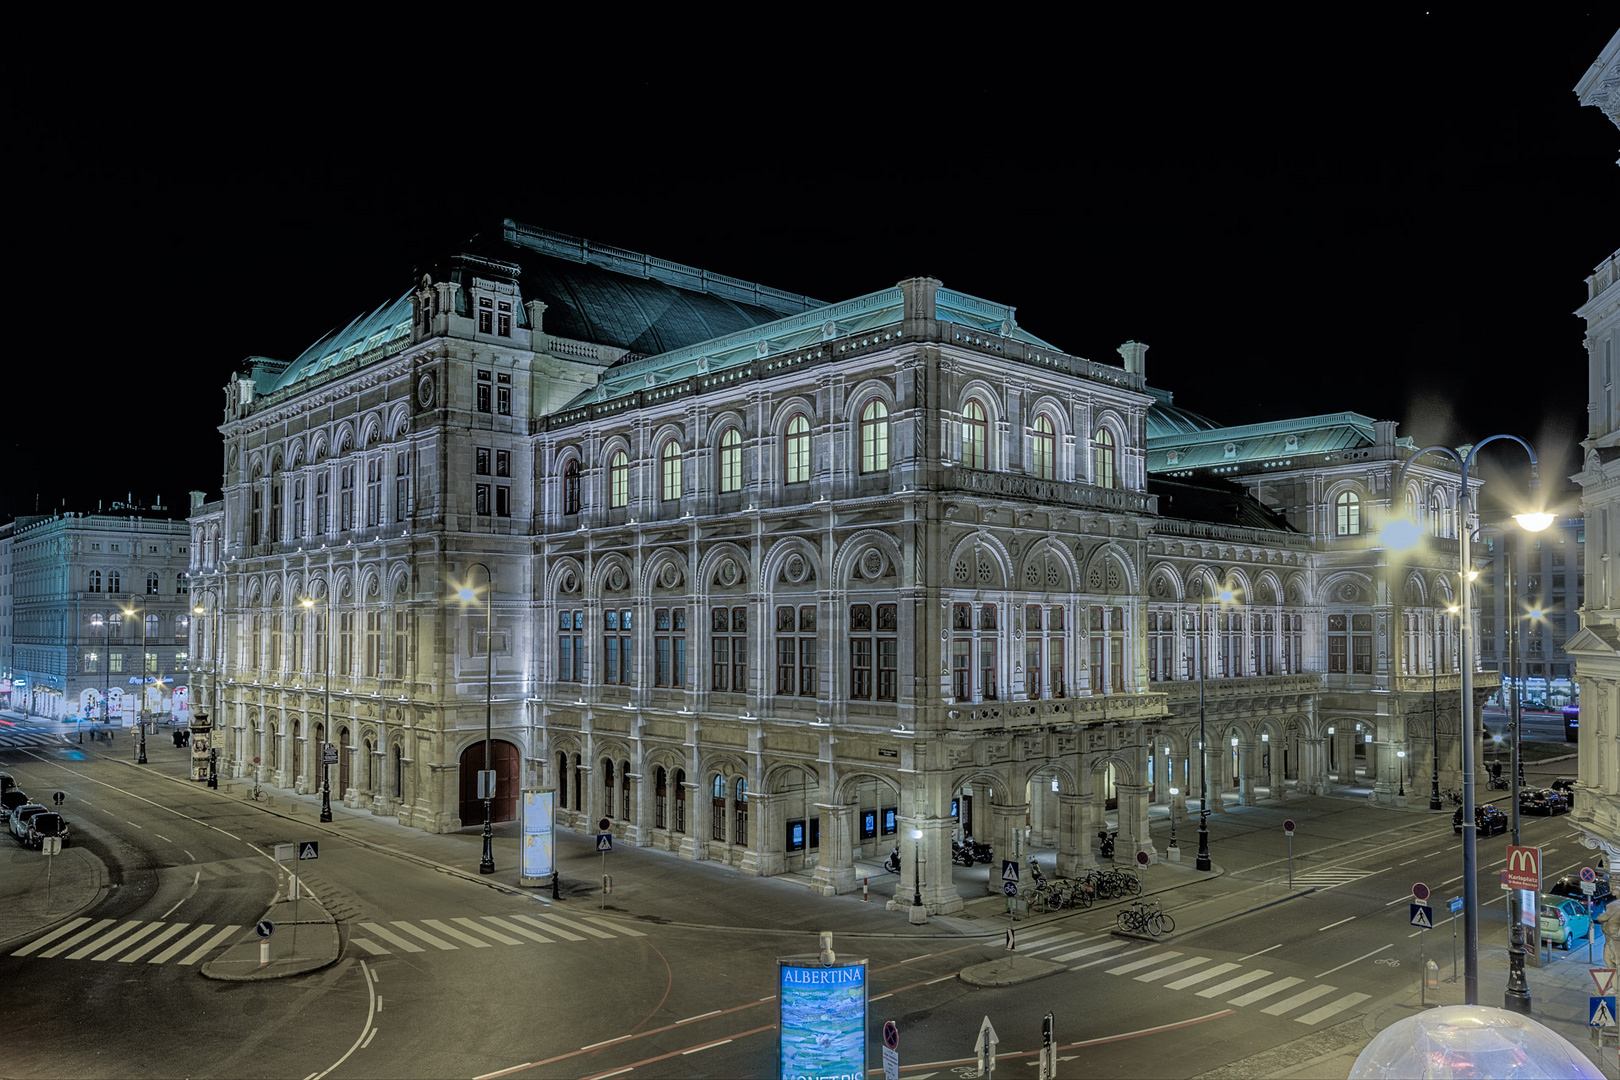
{"type": "Point", "coordinates": [508, 765]}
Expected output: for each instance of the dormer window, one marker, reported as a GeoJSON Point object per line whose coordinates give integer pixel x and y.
{"type": "Point", "coordinates": [486, 315]}
{"type": "Point", "coordinates": [503, 324]}
{"type": "Point", "coordinates": [483, 389]}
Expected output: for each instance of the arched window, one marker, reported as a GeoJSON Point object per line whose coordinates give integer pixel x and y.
{"type": "Point", "coordinates": [624, 789]}
{"type": "Point", "coordinates": [115, 627]}
{"type": "Point", "coordinates": [672, 470]}
{"type": "Point", "coordinates": [95, 581]}
{"type": "Point", "coordinates": [661, 799]}
{"type": "Point", "coordinates": [740, 835]}
{"type": "Point", "coordinates": [618, 480]}
{"type": "Point", "coordinates": [975, 435]}
{"type": "Point", "coordinates": [180, 584]}
{"type": "Point", "coordinates": [731, 460]}
{"type": "Point", "coordinates": [798, 450]}
{"type": "Point", "coordinates": [1437, 515]}
{"type": "Point", "coordinates": [1349, 514]}
{"type": "Point", "coordinates": [571, 487]}
{"type": "Point", "coordinates": [607, 787]}
{"type": "Point", "coordinates": [1044, 462]}
{"type": "Point", "coordinates": [1105, 458]}
{"type": "Point", "coordinates": [874, 437]}
{"type": "Point", "coordinates": [717, 809]}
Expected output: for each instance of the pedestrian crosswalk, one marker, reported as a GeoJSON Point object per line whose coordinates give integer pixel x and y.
{"type": "Point", "coordinates": [1176, 970]}
{"type": "Point", "coordinates": [186, 944]}
{"type": "Point", "coordinates": [543, 928]}
{"type": "Point", "coordinates": [30, 738]}
{"type": "Point", "coordinates": [1329, 878]}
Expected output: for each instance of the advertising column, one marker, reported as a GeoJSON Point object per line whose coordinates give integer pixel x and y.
{"type": "Point", "coordinates": [823, 1019]}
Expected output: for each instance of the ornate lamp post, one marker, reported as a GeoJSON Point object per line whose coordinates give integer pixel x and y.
{"type": "Point", "coordinates": [486, 865]}
{"type": "Point", "coordinates": [1434, 715]}
{"type": "Point", "coordinates": [1203, 862]}
{"type": "Point", "coordinates": [1174, 792]}
{"type": "Point", "coordinates": [1400, 768]}
{"type": "Point", "coordinates": [140, 708]}
{"type": "Point", "coordinates": [213, 690]}
{"type": "Point", "coordinates": [1406, 536]}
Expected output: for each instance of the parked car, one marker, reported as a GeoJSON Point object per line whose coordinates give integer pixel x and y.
{"type": "Point", "coordinates": [1487, 819]}
{"type": "Point", "coordinates": [40, 826]}
{"type": "Point", "coordinates": [1542, 801]}
{"type": "Point", "coordinates": [1570, 886]}
{"type": "Point", "coordinates": [1565, 922]}
{"type": "Point", "coordinates": [19, 819]}
{"type": "Point", "coordinates": [10, 801]}
{"type": "Point", "coordinates": [1566, 785]}
{"type": "Point", "coordinates": [7, 782]}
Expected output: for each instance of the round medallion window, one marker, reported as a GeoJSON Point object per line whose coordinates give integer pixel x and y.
{"type": "Point", "coordinates": [424, 391]}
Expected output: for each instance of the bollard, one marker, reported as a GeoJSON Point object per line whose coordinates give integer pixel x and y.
{"type": "Point", "coordinates": [264, 952]}
{"type": "Point", "coordinates": [863, 889]}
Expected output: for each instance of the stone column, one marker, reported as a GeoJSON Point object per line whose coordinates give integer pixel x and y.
{"type": "Point", "coordinates": [1248, 765]}
{"type": "Point", "coordinates": [939, 886]}
{"type": "Point", "coordinates": [1277, 778]}
{"type": "Point", "coordinates": [1093, 817]}
{"type": "Point", "coordinates": [765, 821]}
{"type": "Point", "coordinates": [640, 833]}
{"type": "Point", "coordinates": [1133, 824]}
{"type": "Point", "coordinates": [1071, 848]}
{"type": "Point", "coordinates": [694, 845]}
{"type": "Point", "coordinates": [835, 872]}
{"type": "Point", "coordinates": [1008, 843]}
{"type": "Point", "coordinates": [1215, 769]}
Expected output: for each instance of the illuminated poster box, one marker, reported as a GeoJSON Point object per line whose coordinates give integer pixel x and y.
{"type": "Point", "coordinates": [538, 808]}
{"type": "Point", "coordinates": [822, 1029]}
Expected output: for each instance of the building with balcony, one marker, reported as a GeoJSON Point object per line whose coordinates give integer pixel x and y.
{"type": "Point", "coordinates": [777, 583]}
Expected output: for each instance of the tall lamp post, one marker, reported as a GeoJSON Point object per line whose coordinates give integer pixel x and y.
{"type": "Point", "coordinates": [1406, 536]}
{"type": "Point", "coordinates": [213, 690]}
{"type": "Point", "coordinates": [140, 709]}
{"type": "Point", "coordinates": [326, 693]}
{"type": "Point", "coordinates": [486, 782]}
{"type": "Point", "coordinates": [1203, 861]}
{"type": "Point", "coordinates": [1434, 714]}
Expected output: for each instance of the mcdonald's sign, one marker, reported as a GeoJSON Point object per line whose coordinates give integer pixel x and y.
{"type": "Point", "coordinates": [1523, 870]}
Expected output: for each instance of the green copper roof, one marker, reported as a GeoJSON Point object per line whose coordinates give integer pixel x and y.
{"type": "Point", "coordinates": [1276, 442]}
{"type": "Point", "coordinates": [1166, 418]}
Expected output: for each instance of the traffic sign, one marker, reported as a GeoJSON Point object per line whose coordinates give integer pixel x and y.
{"type": "Point", "coordinates": [51, 845]}
{"type": "Point", "coordinates": [891, 1034]}
{"type": "Point", "coordinates": [1010, 888]}
{"type": "Point", "coordinates": [1423, 916]}
{"type": "Point", "coordinates": [984, 1048]}
{"type": "Point", "coordinates": [1604, 977]}
{"type": "Point", "coordinates": [286, 852]}
{"type": "Point", "coordinates": [1456, 904]}
{"type": "Point", "coordinates": [265, 928]}
{"type": "Point", "coordinates": [59, 798]}
{"type": "Point", "coordinates": [309, 849]}
{"type": "Point", "coordinates": [1288, 826]}
{"type": "Point", "coordinates": [604, 841]}
{"type": "Point", "coordinates": [1523, 868]}
{"type": "Point", "coordinates": [603, 824]}
{"type": "Point", "coordinates": [1588, 874]}
{"type": "Point", "coordinates": [1141, 858]}
{"type": "Point", "coordinates": [891, 1051]}
{"type": "Point", "coordinates": [1420, 891]}
{"type": "Point", "coordinates": [1009, 870]}
{"type": "Point", "coordinates": [329, 754]}
{"type": "Point", "coordinates": [1010, 945]}
{"type": "Point", "coordinates": [1602, 1014]}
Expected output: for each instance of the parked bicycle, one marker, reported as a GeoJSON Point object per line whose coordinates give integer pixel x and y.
{"type": "Point", "coordinates": [1141, 916]}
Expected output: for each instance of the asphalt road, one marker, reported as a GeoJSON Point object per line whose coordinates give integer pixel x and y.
{"type": "Point", "coordinates": [446, 974]}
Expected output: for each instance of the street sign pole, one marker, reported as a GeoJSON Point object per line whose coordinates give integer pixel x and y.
{"type": "Point", "coordinates": [1288, 827]}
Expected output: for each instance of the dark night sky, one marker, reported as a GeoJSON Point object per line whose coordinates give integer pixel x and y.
{"type": "Point", "coordinates": [1392, 217]}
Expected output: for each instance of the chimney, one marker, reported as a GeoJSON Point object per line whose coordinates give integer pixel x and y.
{"type": "Point", "coordinates": [1134, 354]}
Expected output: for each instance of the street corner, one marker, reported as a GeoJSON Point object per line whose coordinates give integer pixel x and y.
{"type": "Point", "coordinates": [295, 949]}
{"type": "Point", "coordinates": [39, 891]}
{"type": "Point", "coordinates": [1009, 971]}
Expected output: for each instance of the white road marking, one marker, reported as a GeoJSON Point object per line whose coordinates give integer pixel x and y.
{"type": "Point", "coordinates": [1265, 991]}
{"type": "Point", "coordinates": [174, 950]}
{"type": "Point", "coordinates": [1233, 983]}
{"type": "Point", "coordinates": [370, 946]}
{"type": "Point", "coordinates": [204, 949]}
{"type": "Point", "coordinates": [699, 1016]}
{"type": "Point", "coordinates": [1173, 969]}
{"type": "Point", "coordinates": [40, 943]}
{"type": "Point", "coordinates": [391, 937]}
{"type": "Point", "coordinates": [1262, 952]}
{"type": "Point", "coordinates": [163, 838]}
{"type": "Point", "coordinates": [1331, 925]}
{"type": "Point", "coordinates": [696, 1049]}
{"type": "Point", "coordinates": [1194, 980]}
{"type": "Point", "coordinates": [625, 930]}
{"type": "Point", "coordinates": [1154, 959]}
{"type": "Point", "coordinates": [360, 1039]}
{"type": "Point", "coordinates": [1301, 998]}
{"type": "Point", "coordinates": [1318, 1015]}
{"type": "Point", "coordinates": [504, 925]}
{"type": "Point", "coordinates": [131, 957]}
{"type": "Point", "coordinates": [1357, 960]}
{"type": "Point", "coordinates": [451, 931]}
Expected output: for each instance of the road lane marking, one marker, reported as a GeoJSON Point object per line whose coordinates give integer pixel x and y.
{"type": "Point", "coordinates": [1301, 998]}
{"type": "Point", "coordinates": [174, 950]}
{"type": "Point", "coordinates": [80, 954]}
{"type": "Point", "coordinates": [370, 946]}
{"type": "Point", "coordinates": [127, 942]}
{"type": "Point", "coordinates": [1318, 1015]}
{"type": "Point", "coordinates": [203, 950]}
{"type": "Point", "coordinates": [496, 934]}
{"type": "Point", "coordinates": [699, 1016]}
{"type": "Point", "coordinates": [1265, 991]}
{"type": "Point", "coordinates": [173, 929]}
{"type": "Point", "coordinates": [40, 943]}
{"type": "Point", "coordinates": [1331, 925]}
{"type": "Point", "coordinates": [1194, 980]}
{"type": "Point", "coordinates": [96, 928]}
{"type": "Point", "coordinates": [1233, 983]}
{"type": "Point", "coordinates": [1173, 969]}
{"type": "Point", "coordinates": [696, 1049]}
{"type": "Point", "coordinates": [504, 925]}
{"type": "Point", "coordinates": [163, 838]}
{"type": "Point", "coordinates": [438, 943]}
{"type": "Point", "coordinates": [1154, 959]}
{"type": "Point", "coordinates": [617, 927]}
{"type": "Point", "coordinates": [1091, 949]}
{"type": "Point", "coordinates": [1357, 960]}
{"type": "Point", "coordinates": [548, 928]}
{"type": "Point", "coordinates": [591, 930]}
{"type": "Point", "coordinates": [391, 937]}
{"type": "Point", "coordinates": [360, 1039]}
{"type": "Point", "coordinates": [451, 931]}
{"type": "Point", "coordinates": [1262, 952]}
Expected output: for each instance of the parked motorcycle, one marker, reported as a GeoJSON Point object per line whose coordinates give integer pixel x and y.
{"type": "Point", "coordinates": [961, 854]}
{"type": "Point", "coordinates": [892, 863]}
{"type": "Point", "coordinates": [981, 852]}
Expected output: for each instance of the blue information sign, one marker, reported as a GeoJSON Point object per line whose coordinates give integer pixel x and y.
{"type": "Point", "coordinates": [1602, 1014]}
{"type": "Point", "coordinates": [1423, 916]}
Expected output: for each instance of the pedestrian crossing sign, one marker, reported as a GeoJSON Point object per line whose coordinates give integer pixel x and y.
{"type": "Point", "coordinates": [309, 849]}
{"type": "Point", "coordinates": [1602, 1012]}
{"type": "Point", "coordinates": [1423, 916]}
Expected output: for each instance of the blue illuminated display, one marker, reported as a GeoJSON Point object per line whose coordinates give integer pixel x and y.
{"type": "Point", "coordinates": [823, 1022]}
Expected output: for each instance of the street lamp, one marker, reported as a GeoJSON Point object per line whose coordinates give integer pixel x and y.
{"type": "Point", "coordinates": [919, 914]}
{"type": "Point", "coordinates": [486, 783]}
{"type": "Point", "coordinates": [1434, 714]}
{"type": "Point", "coordinates": [1465, 605]}
{"type": "Point", "coordinates": [1174, 792]}
{"type": "Point", "coordinates": [213, 691]}
{"type": "Point", "coordinates": [140, 710]}
{"type": "Point", "coordinates": [326, 692]}
{"type": "Point", "coordinates": [1203, 862]}
{"type": "Point", "coordinates": [1400, 768]}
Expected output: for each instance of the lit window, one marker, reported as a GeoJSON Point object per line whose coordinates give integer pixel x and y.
{"type": "Point", "coordinates": [619, 480]}
{"type": "Point", "coordinates": [975, 434]}
{"type": "Point", "coordinates": [672, 470]}
{"type": "Point", "coordinates": [798, 450]}
{"type": "Point", "coordinates": [1105, 458]}
{"type": "Point", "coordinates": [874, 437]}
{"type": "Point", "coordinates": [571, 487]}
{"type": "Point", "coordinates": [731, 460]}
{"type": "Point", "coordinates": [1349, 514]}
{"type": "Point", "coordinates": [1045, 448]}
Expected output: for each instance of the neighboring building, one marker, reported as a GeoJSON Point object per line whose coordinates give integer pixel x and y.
{"type": "Point", "coordinates": [89, 589]}
{"type": "Point", "coordinates": [776, 582]}
{"type": "Point", "coordinates": [1596, 648]}
{"type": "Point", "coordinates": [1549, 577]}
{"type": "Point", "coordinates": [7, 663]}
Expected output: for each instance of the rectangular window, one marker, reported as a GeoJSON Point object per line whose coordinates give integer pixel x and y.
{"type": "Point", "coordinates": [503, 502]}
{"type": "Point", "coordinates": [346, 497]}
{"type": "Point", "coordinates": [571, 646]}
{"type": "Point", "coordinates": [807, 652]}
{"type": "Point", "coordinates": [298, 508]}
{"type": "Point", "coordinates": [481, 500]}
{"type": "Point", "coordinates": [616, 648]}
{"type": "Point", "coordinates": [374, 489]}
{"type": "Point", "coordinates": [401, 650]}
{"type": "Point", "coordinates": [739, 649]}
{"type": "Point", "coordinates": [275, 642]}
{"type": "Point", "coordinates": [374, 638]}
{"type": "Point", "coordinates": [319, 655]}
{"type": "Point", "coordinates": [483, 390]}
{"type": "Point", "coordinates": [486, 315]}
{"type": "Point", "coordinates": [115, 663]}
{"type": "Point", "coordinates": [503, 319]}
{"type": "Point", "coordinates": [296, 660]}
{"type": "Point", "coordinates": [503, 399]}
{"type": "Point", "coordinates": [345, 658]}
{"type": "Point", "coordinates": [962, 669]}
{"type": "Point", "coordinates": [728, 649]}
{"type": "Point", "coordinates": [256, 642]}
{"type": "Point", "coordinates": [1361, 643]}
{"type": "Point", "coordinates": [481, 460]}
{"type": "Point", "coordinates": [503, 463]}
{"type": "Point", "coordinates": [402, 486]}
{"type": "Point", "coordinates": [323, 485]}
{"type": "Point", "coordinates": [860, 667]}
{"type": "Point", "coordinates": [1338, 645]}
